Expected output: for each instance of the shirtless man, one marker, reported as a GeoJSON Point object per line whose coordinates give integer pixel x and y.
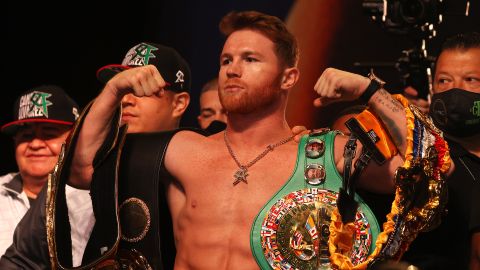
{"type": "Point", "coordinates": [213, 210]}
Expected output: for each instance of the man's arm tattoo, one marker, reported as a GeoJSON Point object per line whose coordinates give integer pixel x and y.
{"type": "Point", "coordinates": [385, 104]}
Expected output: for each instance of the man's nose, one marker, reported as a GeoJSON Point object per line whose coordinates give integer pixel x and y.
{"type": "Point", "coordinates": [234, 69]}
{"type": "Point", "coordinates": [129, 100]}
{"type": "Point", "coordinates": [460, 84]}
{"type": "Point", "coordinates": [36, 143]}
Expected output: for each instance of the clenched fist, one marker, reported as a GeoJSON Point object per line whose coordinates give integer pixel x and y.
{"type": "Point", "coordinates": [140, 81]}
{"type": "Point", "coordinates": [337, 85]}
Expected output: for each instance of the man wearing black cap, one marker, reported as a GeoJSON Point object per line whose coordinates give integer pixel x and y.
{"type": "Point", "coordinates": [149, 114]}
{"type": "Point", "coordinates": [43, 117]}
{"type": "Point", "coordinates": [158, 112]}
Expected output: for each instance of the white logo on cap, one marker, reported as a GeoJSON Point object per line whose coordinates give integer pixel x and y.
{"type": "Point", "coordinates": [139, 55]}
{"type": "Point", "coordinates": [34, 104]}
{"type": "Point", "coordinates": [180, 76]}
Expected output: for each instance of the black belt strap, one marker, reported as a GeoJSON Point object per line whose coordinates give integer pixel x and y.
{"type": "Point", "coordinates": [347, 206]}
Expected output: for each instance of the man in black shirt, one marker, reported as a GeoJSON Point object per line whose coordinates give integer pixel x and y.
{"type": "Point", "coordinates": [455, 109]}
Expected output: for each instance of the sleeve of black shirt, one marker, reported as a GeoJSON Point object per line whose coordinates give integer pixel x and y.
{"type": "Point", "coordinates": [29, 249]}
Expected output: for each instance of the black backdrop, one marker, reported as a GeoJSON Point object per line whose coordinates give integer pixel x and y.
{"type": "Point", "coordinates": [64, 43]}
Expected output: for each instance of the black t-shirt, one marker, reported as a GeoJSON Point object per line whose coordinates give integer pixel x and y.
{"type": "Point", "coordinates": [448, 246]}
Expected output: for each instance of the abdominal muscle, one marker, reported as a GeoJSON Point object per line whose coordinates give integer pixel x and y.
{"type": "Point", "coordinates": [214, 249]}
{"type": "Point", "coordinates": [207, 240]}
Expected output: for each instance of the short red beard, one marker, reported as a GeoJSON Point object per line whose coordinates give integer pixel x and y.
{"type": "Point", "coordinates": [250, 100]}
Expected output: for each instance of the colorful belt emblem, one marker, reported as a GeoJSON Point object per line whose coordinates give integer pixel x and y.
{"type": "Point", "coordinates": [295, 231]}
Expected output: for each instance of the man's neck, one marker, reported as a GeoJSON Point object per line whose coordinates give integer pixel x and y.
{"type": "Point", "coordinates": [258, 128]}
{"type": "Point", "coordinates": [32, 186]}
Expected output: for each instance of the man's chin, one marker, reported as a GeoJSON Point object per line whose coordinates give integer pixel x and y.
{"type": "Point", "coordinates": [38, 173]}
{"type": "Point", "coordinates": [40, 162]}
{"type": "Point", "coordinates": [238, 108]}
{"type": "Point", "coordinates": [132, 126]}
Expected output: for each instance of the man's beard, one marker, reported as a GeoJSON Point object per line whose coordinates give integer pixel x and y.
{"type": "Point", "coordinates": [249, 101]}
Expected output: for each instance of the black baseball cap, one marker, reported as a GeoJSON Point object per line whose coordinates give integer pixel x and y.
{"type": "Point", "coordinates": [45, 104]}
{"type": "Point", "coordinates": [171, 65]}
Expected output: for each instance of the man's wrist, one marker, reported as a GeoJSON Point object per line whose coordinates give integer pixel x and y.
{"type": "Point", "coordinates": [375, 85]}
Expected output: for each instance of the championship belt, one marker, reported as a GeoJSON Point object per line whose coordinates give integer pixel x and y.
{"type": "Point", "coordinates": [146, 233]}
{"type": "Point", "coordinates": [301, 227]}
{"type": "Point", "coordinates": [133, 227]}
{"type": "Point", "coordinates": [144, 214]}
{"type": "Point", "coordinates": [420, 195]}
{"type": "Point", "coordinates": [57, 222]}
{"type": "Point", "coordinates": [292, 230]}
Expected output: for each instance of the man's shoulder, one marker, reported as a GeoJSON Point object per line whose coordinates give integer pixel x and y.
{"type": "Point", "coordinates": [189, 137]}
{"type": "Point", "coordinates": [187, 143]}
{"type": "Point", "coordinates": [7, 178]}
{"type": "Point", "coordinates": [186, 148]}
{"type": "Point", "coordinates": [10, 184]}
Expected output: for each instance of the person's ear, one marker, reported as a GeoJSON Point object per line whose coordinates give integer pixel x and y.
{"type": "Point", "coordinates": [289, 78]}
{"type": "Point", "coordinates": [180, 103]}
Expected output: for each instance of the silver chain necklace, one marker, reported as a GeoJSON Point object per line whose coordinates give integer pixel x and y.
{"type": "Point", "coordinates": [242, 172]}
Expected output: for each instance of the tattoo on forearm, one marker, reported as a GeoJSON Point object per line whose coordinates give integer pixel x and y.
{"type": "Point", "coordinates": [384, 100]}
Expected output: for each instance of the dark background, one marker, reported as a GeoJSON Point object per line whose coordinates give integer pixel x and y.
{"type": "Point", "coordinates": [65, 43]}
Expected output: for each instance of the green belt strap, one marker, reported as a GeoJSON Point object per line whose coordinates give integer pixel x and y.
{"type": "Point", "coordinates": [297, 182]}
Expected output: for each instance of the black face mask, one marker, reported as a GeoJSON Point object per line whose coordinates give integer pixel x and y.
{"type": "Point", "coordinates": [456, 112]}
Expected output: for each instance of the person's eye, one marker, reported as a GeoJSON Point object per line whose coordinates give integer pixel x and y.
{"type": "Point", "coordinates": [207, 114]}
{"type": "Point", "coordinates": [51, 135]}
{"type": "Point", "coordinates": [251, 59]}
{"type": "Point", "coordinates": [26, 136]}
{"type": "Point", "coordinates": [225, 61]}
{"type": "Point", "coordinates": [443, 80]}
{"type": "Point", "coordinates": [472, 79]}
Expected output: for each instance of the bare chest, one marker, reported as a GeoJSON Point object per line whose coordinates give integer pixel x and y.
{"type": "Point", "coordinates": [212, 186]}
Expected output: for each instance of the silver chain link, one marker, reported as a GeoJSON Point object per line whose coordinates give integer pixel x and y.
{"type": "Point", "coordinates": [269, 148]}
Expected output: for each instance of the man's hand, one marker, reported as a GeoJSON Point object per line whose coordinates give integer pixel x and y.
{"type": "Point", "coordinates": [140, 81]}
{"type": "Point", "coordinates": [337, 85]}
{"type": "Point", "coordinates": [412, 95]}
{"type": "Point", "coordinates": [299, 131]}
